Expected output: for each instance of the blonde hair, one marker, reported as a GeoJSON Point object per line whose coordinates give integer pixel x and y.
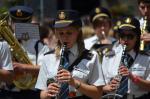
{"type": "Point", "coordinates": [80, 43]}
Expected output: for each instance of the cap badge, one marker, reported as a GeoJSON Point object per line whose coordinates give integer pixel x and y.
{"type": "Point", "coordinates": [19, 13]}
{"type": "Point", "coordinates": [128, 20]}
{"type": "Point", "coordinates": [62, 15]}
{"type": "Point", "coordinates": [118, 23]}
{"type": "Point", "coordinates": [97, 10]}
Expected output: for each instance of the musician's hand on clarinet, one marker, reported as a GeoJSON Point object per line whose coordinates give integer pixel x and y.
{"type": "Point", "coordinates": [64, 75]}
{"type": "Point", "coordinates": [53, 89]}
{"type": "Point", "coordinates": [123, 70]}
{"type": "Point", "coordinates": [111, 86]}
{"type": "Point", "coordinates": [114, 82]}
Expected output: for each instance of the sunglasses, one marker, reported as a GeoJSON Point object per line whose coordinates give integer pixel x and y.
{"type": "Point", "coordinates": [127, 36]}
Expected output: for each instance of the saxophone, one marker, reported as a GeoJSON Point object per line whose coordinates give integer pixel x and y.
{"type": "Point", "coordinates": [143, 29]}
{"type": "Point", "coordinates": [23, 80]}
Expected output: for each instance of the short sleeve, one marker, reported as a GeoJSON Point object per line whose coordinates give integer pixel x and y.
{"type": "Point", "coordinates": [42, 78]}
{"type": "Point", "coordinates": [5, 56]}
{"type": "Point", "coordinates": [96, 76]}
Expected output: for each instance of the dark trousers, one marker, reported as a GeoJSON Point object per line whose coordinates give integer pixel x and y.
{"type": "Point", "coordinates": [23, 94]}
{"type": "Point", "coordinates": [145, 96]}
{"type": "Point", "coordinates": [81, 97]}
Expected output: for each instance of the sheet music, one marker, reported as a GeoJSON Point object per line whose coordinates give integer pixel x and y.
{"type": "Point", "coordinates": [27, 31]}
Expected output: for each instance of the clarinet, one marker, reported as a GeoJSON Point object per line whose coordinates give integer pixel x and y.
{"type": "Point", "coordinates": [62, 57]}
{"type": "Point", "coordinates": [119, 77]}
{"type": "Point", "coordinates": [61, 66]}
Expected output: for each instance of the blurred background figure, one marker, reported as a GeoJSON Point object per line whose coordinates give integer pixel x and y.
{"type": "Point", "coordinates": [144, 10]}
{"type": "Point", "coordinates": [23, 14]}
{"type": "Point", "coordinates": [88, 32]}
{"type": "Point", "coordinates": [87, 28]}
{"type": "Point", "coordinates": [48, 40]}
{"type": "Point", "coordinates": [115, 29]}
{"type": "Point", "coordinates": [101, 22]}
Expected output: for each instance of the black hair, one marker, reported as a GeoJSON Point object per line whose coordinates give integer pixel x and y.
{"type": "Point", "coordinates": [143, 1]}
{"type": "Point", "coordinates": [137, 32]}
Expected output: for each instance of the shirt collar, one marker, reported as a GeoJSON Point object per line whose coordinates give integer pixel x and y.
{"type": "Point", "coordinates": [132, 53]}
{"type": "Point", "coordinates": [74, 50]}
{"type": "Point", "coordinates": [95, 39]}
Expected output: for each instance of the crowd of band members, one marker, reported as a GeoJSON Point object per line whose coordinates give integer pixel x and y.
{"type": "Point", "coordinates": [94, 76]}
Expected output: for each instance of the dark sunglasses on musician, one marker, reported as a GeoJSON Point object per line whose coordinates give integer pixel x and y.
{"type": "Point", "coordinates": [129, 35]}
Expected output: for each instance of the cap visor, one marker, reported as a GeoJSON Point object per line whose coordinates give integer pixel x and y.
{"type": "Point", "coordinates": [62, 24]}
{"type": "Point", "coordinates": [127, 28]}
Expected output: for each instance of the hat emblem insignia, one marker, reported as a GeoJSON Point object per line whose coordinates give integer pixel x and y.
{"type": "Point", "coordinates": [128, 20]}
{"type": "Point", "coordinates": [62, 15]}
{"type": "Point", "coordinates": [97, 10]}
{"type": "Point", "coordinates": [118, 23]}
{"type": "Point", "coordinates": [19, 12]}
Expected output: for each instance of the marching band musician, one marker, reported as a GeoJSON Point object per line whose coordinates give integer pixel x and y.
{"type": "Point", "coordinates": [85, 78]}
{"type": "Point", "coordinates": [144, 9]}
{"type": "Point", "coordinates": [138, 72]}
{"type": "Point", "coordinates": [23, 14]}
{"type": "Point", "coordinates": [101, 20]}
{"type": "Point", "coordinates": [6, 68]}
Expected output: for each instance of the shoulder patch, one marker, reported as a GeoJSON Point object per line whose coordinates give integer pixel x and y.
{"type": "Point", "coordinates": [87, 55]}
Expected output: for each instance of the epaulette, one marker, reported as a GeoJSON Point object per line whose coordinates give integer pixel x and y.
{"type": "Point", "coordinates": [147, 53]}
{"type": "Point", "coordinates": [49, 52]}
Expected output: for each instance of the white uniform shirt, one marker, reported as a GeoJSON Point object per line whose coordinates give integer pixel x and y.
{"type": "Point", "coordinates": [88, 71]}
{"type": "Point", "coordinates": [141, 63]}
{"type": "Point", "coordinates": [5, 56]}
{"type": "Point", "coordinates": [44, 50]}
{"type": "Point", "coordinates": [89, 42]}
{"type": "Point", "coordinates": [30, 50]}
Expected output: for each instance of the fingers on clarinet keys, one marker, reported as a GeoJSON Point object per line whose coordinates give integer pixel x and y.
{"type": "Point", "coordinates": [53, 89]}
{"type": "Point", "coordinates": [50, 80]}
{"type": "Point", "coordinates": [110, 87]}
{"type": "Point", "coordinates": [123, 71]}
{"type": "Point", "coordinates": [63, 76]}
{"type": "Point", "coordinates": [114, 81]}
